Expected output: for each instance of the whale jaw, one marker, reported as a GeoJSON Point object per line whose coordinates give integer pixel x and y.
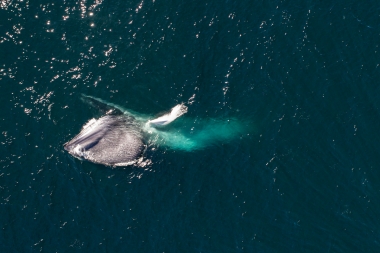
{"type": "Point", "coordinates": [110, 140]}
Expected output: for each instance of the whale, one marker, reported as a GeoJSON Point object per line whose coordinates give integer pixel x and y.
{"type": "Point", "coordinates": [120, 137]}
{"type": "Point", "coordinates": [116, 138]}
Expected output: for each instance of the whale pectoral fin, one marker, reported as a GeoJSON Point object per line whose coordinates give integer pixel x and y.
{"type": "Point", "coordinates": [176, 112]}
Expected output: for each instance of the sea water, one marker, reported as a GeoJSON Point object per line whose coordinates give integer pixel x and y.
{"type": "Point", "coordinates": [293, 86]}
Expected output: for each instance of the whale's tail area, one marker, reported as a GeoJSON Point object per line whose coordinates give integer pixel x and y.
{"type": "Point", "coordinates": [176, 111]}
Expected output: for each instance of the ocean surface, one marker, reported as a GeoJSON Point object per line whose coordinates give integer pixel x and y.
{"type": "Point", "coordinates": [285, 97]}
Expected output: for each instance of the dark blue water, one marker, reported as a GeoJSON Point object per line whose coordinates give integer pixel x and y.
{"type": "Point", "coordinates": [301, 78]}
